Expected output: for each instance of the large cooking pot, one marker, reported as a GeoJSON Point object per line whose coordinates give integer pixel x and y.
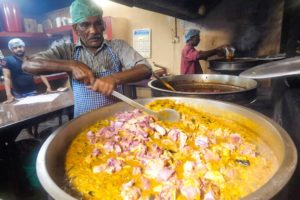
{"type": "Point", "coordinates": [234, 66]}
{"type": "Point", "coordinates": [237, 65]}
{"type": "Point", "coordinates": [50, 161]}
{"type": "Point", "coordinates": [212, 86]}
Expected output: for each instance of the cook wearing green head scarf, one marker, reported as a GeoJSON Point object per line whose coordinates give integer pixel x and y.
{"type": "Point", "coordinates": [103, 65]}
{"type": "Point", "coordinates": [81, 9]}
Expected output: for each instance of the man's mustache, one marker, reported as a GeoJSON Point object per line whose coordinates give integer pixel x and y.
{"type": "Point", "coordinates": [20, 53]}
{"type": "Point", "coordinates": [95, 37]}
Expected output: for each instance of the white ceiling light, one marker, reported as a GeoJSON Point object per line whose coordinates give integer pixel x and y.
{"type": "Point", "coordinates": [101, 3]}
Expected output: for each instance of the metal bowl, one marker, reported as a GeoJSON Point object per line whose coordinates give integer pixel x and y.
{"type": "Point", "coordinates": [229, 88]}
{"type": "Point", "coordinates": [50, 161]}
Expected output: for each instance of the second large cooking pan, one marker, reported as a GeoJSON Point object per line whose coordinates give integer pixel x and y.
{"type": "Point", "coordinates": [212, 86]}
{"type": "Point", "coordinates": [237, 65]}
{"type": "Point", "coordinates": [234, 66]}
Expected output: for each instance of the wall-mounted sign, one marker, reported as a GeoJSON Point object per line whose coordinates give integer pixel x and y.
{"type": "Point", "coordinates": [142, 41]}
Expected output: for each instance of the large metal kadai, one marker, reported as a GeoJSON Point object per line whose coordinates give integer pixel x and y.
{"type": "Point", "coordinates": [51, 158]}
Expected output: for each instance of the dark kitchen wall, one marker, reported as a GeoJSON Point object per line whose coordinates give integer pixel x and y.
{"type": "Point", "coordinates": [255, 25]}
{"type": "Point", "coordinates": [290, 40]}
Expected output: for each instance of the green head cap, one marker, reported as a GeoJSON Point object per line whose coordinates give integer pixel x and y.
{"type": "Point", "coordinates": [81, 9]}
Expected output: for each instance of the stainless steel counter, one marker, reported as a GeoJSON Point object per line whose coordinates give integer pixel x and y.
{"type": "Point", "coordinates": [12, 114]}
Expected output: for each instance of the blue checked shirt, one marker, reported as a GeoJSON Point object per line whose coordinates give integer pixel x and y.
{"type": "Point", "coordinates": [111, 57]}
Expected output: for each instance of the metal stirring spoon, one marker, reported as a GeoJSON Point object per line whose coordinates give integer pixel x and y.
{"type": "Point", "coordinates": [164, 115]}
{"type": "Point", "coordinates": [165, 83]}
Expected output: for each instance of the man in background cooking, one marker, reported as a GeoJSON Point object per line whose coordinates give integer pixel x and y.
{"type": "Point", "coordinates": [190, 56]}
{"type": "Point", "coordinates": [17, 83]}
{"type": "Point", "coordinates": [97, 66]}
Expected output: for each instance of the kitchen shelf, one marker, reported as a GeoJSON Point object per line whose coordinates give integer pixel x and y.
{"type": "Point", "coordinates": [61, 29]}
{"type": "Point", "coordinates": [36, 39]}
{"type": "Point", "coordinates": [23, 35]}
{"type": "Point", "coordinates": [36, 35]}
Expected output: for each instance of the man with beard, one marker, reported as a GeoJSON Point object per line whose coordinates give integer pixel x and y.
{"type": "Point", "coordinates": [97, 66]}
{"type": "Point", "coordinates": [17, 83]}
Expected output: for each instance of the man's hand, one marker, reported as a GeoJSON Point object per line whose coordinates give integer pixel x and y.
{"type": "Point", "coordinates": [222, 49]}
{"type": "Point", "coordinates": [9, 99]}
{"type": "Point", "coordinates": [83, 73]}
{"type": "Point", "coordinates": [104, 85]}
{"type": "Point", "coordinates": [40, 66]}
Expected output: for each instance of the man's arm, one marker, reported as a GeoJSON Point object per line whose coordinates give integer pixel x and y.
{"type": "Point", "coordinates": [195, 55]}
{"type": "Point", "coordinates": [107, 84]}
{"type": "Point", "coordinates": [137, 73]}
{"type": "Point", "coordinates": [7, 85]}
{"type": "Point", "coordinates": [39, 66]}
{"type": "Point", "coordinates": [46, 82]}
{"type": "Point", "coordinates": [135, 67]}
{"type": "Point", "coordinates": [203, 55]}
